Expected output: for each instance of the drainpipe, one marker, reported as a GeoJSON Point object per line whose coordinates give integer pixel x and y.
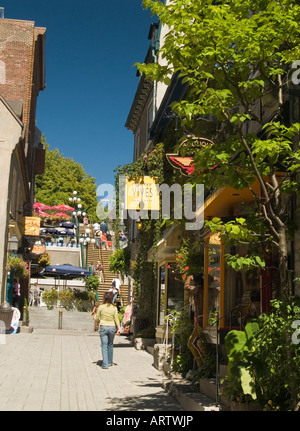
{"type": "Point", "coordinates": [154, 87]}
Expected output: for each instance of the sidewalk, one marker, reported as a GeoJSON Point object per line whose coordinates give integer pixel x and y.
{"type": "Point", "coordinates": [60, 370]}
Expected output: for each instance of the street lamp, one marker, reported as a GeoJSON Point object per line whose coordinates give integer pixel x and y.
{"type": "Point", "coordinates": [76, 201]}
{"type": "Point", "coordinates": [13, 244]}
{"type": "Point", "coordinates": [84, 240]}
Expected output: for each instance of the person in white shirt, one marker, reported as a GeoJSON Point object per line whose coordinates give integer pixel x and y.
{"type": "Point", "coordinates": [96, 227]}
{"type": "Point", "coordinates": [115, 288]}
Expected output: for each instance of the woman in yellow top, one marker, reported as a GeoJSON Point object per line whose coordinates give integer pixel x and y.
{"type": "Point", "coordinates": [107, 314]}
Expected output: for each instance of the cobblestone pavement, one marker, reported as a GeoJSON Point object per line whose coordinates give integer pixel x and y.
{"type": "Point", "coordinates": [60, 370]}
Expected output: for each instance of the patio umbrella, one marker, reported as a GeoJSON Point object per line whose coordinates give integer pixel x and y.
{"type": "Point", "coordinates": [68, 225]}
{"type": "Point", "coordinates": [62, 207]}
{"type": "Point", "coordinates": [60, 214]}
{"type": "Point", "coordinates": [66, 270]}
{"type": "Point", "coordinates": [43, 214]}
{"type": "Point", "coordinates": [41, 206]}
{"type": "Point", "coordinates": [66, 232]}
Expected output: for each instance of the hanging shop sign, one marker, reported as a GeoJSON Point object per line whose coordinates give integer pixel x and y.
{"type": "Point", "coordinates": [142, 194]}
{"type": "Point", "coordinates": [32, 226]}
{"type": "Point", "coordinates": [185, 163]}
{"type": "Point", "coordinates": [38, 248]}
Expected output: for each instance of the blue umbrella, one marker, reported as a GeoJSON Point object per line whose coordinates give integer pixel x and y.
{"type": "Point", "coordinates": [65, 270]}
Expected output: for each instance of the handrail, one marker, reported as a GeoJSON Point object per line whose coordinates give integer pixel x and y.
{"type": "Point", "coordinates": [216, 322]}
{"type": "Point", "coordinates": [166, 336]}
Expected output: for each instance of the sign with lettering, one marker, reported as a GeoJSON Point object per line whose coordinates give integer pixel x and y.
{"type": "Point", "coordinates": [186, 162]}
{"type": "Point", "coordinates": [32, 226]}
{"type": "Point", "coordinates": [142, 194]}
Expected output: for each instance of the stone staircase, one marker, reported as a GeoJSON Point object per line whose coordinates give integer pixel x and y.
{"type": "Point", "coordinates": [95, 254]}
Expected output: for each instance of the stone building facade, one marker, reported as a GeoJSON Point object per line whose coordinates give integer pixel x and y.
{"type": "Point", "coordinates": [22, 77]}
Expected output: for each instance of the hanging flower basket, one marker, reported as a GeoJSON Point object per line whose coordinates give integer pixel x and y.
{"type": "Point", "coordinates": [19, 266]}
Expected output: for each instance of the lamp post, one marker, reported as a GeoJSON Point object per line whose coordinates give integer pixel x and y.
{"type": "Point", "coordinates": [84, 240]}
{"type": "Point", "coordinates": [77, 211]}
{"type": "Point", "coordinates": [13, 246]}
{"type": "Point", "coordinates": [76, 201]}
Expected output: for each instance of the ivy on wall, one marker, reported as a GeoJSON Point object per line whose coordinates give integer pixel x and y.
{"type": "Point", "coordinates": [151, 163]}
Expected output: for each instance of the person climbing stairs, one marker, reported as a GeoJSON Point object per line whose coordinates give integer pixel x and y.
{"type": "Point", "coordinates": [94, 255]}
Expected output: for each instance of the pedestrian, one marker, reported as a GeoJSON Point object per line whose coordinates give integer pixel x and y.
{"type": "Point", "coordinates": [103, 227]}
{"type": "Point", "coordinates": [108, 241]}
{"type": "Point", "coordinates": [99, 269]}
{"type": "Point", "coordinates": [103, 241]}
{"type": "Point", "coordinates": [96, 227]}
{"type": "Point", "coordinates": [98, 238]}
{"type": "Point", "coordinates": [16, 293]}
{"type": "Point", "coordinates": [109, 326]}
{"type": "Point", "coordinates": [115, 288]}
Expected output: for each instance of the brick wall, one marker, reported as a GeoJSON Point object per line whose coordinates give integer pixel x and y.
{"type": "Point", "coordinates": [20, 46]}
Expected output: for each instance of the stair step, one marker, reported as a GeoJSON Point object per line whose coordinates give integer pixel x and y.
{"type": "Point", "coordinates": [94, 255]}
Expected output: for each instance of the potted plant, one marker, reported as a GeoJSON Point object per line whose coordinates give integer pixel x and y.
{"type": "Point", "coordinates": [84, 299]}
{"type": "Point", "coordinates": [50, 297]}
{"type": "Point", "coordinates": [44, 260]}
{"type": "Point", "coordinates": [66, 298]}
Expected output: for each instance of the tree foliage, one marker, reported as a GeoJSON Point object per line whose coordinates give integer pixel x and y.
{"type": "Point", "coordinates": [61, 177]}
{"type": "Point", "coordinates": [119, 261]}
{"type": "Point", "coordinates": [236, 57]}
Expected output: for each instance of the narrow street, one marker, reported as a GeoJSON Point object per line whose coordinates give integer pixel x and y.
{"type": "Point", "coordinates": [60, 370]}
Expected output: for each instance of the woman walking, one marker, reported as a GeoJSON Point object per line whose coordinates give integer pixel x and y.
{"type": "Point", "coordinates": [107, 314]}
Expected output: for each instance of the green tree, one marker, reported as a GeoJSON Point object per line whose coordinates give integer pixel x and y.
{"type": "Point", "coordinates": [119, 261]}
{"type": "Point", "coordinates": [237, 58]}
{"type": "Point", "coordinates": [61, 177]}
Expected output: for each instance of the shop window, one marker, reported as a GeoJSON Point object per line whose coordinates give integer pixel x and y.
{"type": "Point", "coordinates": [214, 273]}
{"type": "Point", "coordinates": [174, 288]}
{"type": "Point", "coordinates": [171, 292]}
{"type": "Point", "coordinates": [242, 296]}
{"type": "Point", "coordinates": [231, 297]}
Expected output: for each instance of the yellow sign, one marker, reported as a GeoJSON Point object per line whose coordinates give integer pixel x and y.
{"type": "Point", "coordinates": [142, 194]}
{"type": "Point", "coordinates": [32, 226]}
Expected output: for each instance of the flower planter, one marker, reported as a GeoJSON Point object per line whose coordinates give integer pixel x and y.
{"type": "Point", "coordinates": [51, 304]}
{"type": "Point", "coordinates": [142, 343]}
{"type": "Point", "coordinates": [84, 305]}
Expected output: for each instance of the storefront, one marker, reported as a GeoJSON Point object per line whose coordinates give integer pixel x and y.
{"type": "Point", "coordinates": [230, 297]}
{"type": "Point", "coordinates": [170, 292]}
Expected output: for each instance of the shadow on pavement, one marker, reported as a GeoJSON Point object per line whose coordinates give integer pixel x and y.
{"type": "Point", "coordinates": [153, 402]}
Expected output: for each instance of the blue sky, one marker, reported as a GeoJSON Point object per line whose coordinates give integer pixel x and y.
{"type": "Point", "coordinates": [91, 48]}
